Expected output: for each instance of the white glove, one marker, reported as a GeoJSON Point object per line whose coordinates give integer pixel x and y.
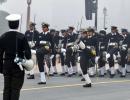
{"type": "Point", "coordinates": [52, 56]}
{"type": "Point", "coordinates": [43, 42]}
{"type": "Point", "coordinates": [64, 54]}
{"type": "Point", "coordinates": [118, 55]}
{"type": "Point", "coordinates": [76, 47]}
{"type": "Point", "coordinates": [63, 50]}
{"type": "Point", "coordinates": [114, 57]}
{"type": "Point", "coordinates": [81, 45]}
{"type": "Point", "coordinates": [96, 59]}
{"type": "Point", "coordinates": [33, 51]}
{"type": "Point", "coordinates": [107, 56]}
{"type": "Point", "coordinates": [78, 59]}
{"type": "Point", "coordinates": [31, 44]}
{"type": "Point", "coordinates": [124, 47]}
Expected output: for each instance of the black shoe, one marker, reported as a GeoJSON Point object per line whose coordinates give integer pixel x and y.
{"type": "Point", "coordinates": [28, 74]}
{"type": "Point", "coordinates": [55, 73]}
{"type": "Point", "coordinates": [80, 74]}
{"type": "Point", "coordinates": [31, 77]}
{"type": "Point", "coordinates": [91, 76]}
{"type": "Point", "coordinates": [75, 73]}
{"type": "Point", "coordinates": [112, 75]}
{"type": "Point", "coordinates": [51, 74]}
{"type": "Point", "coordinates": [105, 74]}
{"type": "Point", "coordinates": [62, 74]}
{"type": "Point", "coordinates": [127, 71]}
{"type": "Point", "coordinates": [108, 71]}
{"type": "Point", "coordinates": [87, 85]}
{"type": "Point", "coordinates": [101, 75]}
{"type": "Point", "coordinates": [83, 79]}
{"type": "Point", "coordinates": [66, 72]}
{"type": "Point", "coordinates": [69, 75]}
{"type": "Point", "coordinates": [41, 83]}
{"type": "Point", "coordinates": [118, 72]}
{"type": "Point", "coordinates": [123, 76]}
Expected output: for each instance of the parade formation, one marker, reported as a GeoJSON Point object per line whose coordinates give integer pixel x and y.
{"type": "Point", "coordinates": [84, 53]}
{"type": "Point", "coordinates": [91, 49]}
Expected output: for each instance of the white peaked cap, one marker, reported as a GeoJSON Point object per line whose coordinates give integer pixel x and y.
{"type": "Point", "coordinates": [13, 17]}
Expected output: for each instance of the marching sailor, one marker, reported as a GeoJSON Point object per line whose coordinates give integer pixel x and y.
{"type": "Point", "coordinates": [113, 40]}
{"type": "Point", "coordinates": [32, 36]}
{"type": "Point", "coordinates": [102, 53]}
{"type": "Point", "coordinates": [73, 37]}
{"type": "Point", "coordinates": [93, 44]}
{"type": "Point", "coordinates": [56, 40]}
{"type": "Point", "coordinates": [70, 54]}
{"type": "Point", "coordinates": [123, 52]}
{"type": "Point", "coordinates": [128, 53]}
{"type": "Point", "coordinates": [44, 47]}
{"type": "Point", "coordinates": [64, 41]}
{"type": "Point", "coordinates": [85, 57]}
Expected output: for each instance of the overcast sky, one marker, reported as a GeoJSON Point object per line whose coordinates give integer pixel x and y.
{"type": "Point", "coordinates": [62, 13]}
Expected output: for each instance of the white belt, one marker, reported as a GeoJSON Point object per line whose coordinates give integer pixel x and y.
{"type": "Point", "coordinates": [43, 42]}
{"type": "Point", "coordinates": [125, 45]}
{"type": "Point", "coordinates": [70, 44]}
{"type": "Point", "coordinates": [112, 44]}
{"type": "Point", "coordinates": [102, 47]}
{"type": "Point", "coordinates": [89, 47]}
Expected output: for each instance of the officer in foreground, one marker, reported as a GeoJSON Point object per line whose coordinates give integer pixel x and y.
{"type": "Point", "coordinates": [12, 44]}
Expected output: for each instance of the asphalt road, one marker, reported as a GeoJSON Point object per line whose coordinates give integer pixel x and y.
{"type": "Point", "coordinates": [64, 88]}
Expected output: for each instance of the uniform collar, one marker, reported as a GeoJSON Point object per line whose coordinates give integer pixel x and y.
{"type": "Point", "coordinates": [31, 30]}
{"type": "Point", "coordinates": [113, 33]}
{"type": "Point", "coordinates": [89, 37]}
{"type": "Point", "coordinates": [16, 30]}
{"type": "Point", "coordinates": [45, 32]}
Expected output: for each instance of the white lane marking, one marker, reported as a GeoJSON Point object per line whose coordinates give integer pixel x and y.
{"type": "Point", "coordinates": [69, 85]}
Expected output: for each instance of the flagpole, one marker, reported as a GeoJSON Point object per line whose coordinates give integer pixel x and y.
{"type": "Point", "coordinates": [28, 13]}
{"type": "Point", "coordinates": [96, 15]}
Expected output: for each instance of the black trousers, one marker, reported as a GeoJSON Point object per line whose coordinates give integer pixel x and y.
{"type": "Point", "coordinates": [54, 60]}
{"type": "Point", "coordinates": [101, 60]}
{"type": "Point", "coordinates": [84, 64]}
{"type": "Point", "coordinates": [111, 61]}
{"type": "Point", "coordinates": [13, 82]}
{"type": "Point", "coordinates": [123, 58]}
{"type": "Point", "coordinates": [62, 59]}
{"type": "Point", "coordinates": [70, 58]}
{"type": "Point", "coordinates": [40, 54]}
{"type": "Point", "coordinates": [112, 51]}
{"type": "Point", "coordinates": [40, 60]}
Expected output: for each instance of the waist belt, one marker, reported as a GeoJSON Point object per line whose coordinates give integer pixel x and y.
{"type": "Point", "coordinates": [102, 47]}
{"type": "Point", "coordinates": [112, 44]}
{"type": "Point", "coordinates": [45, 43]}
{"type": "Point", "coordinates": [70, 44]}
